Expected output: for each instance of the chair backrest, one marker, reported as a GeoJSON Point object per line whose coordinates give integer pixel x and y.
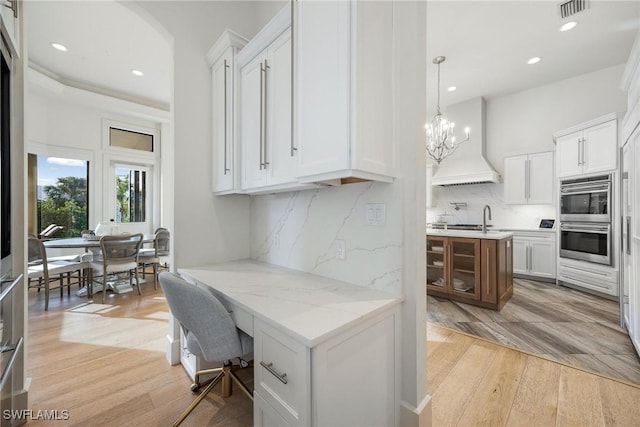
{"type": "Point", "coordinates": [121, 248]}
{"type": "Point", "coordinates": [201, 314]}
{"type": "Point", "coordinates": [36, 253]}
{"type": "Point", "coordinates": [161, 242]}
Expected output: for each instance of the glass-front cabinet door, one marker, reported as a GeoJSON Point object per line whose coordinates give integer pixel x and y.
{"type": "Point", "coordinates": [436, 250]}
{"type": "Point", "coordinates": [465, 267]}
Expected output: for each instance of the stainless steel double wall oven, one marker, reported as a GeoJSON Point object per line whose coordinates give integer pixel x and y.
{"type": "Point", "coordinates": [585, 219]}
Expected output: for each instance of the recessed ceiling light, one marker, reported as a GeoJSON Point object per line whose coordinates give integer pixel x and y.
{"type": "Point", "coordinates": [137, 73]}
{"type": "Point", "coordinates": [59, 47]}
{"type": "Point", "coordinates": [534, 60]}
{"type": "Point", "coordinates": [451, 88]}
{"type": "Point", "coordinates": [568, 26]}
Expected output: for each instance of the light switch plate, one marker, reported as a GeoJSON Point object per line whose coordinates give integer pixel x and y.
{"type": "Point", "coordinates": [376, 214]}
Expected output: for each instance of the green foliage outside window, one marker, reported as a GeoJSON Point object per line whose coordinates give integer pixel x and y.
{"type": "Point", "coordinates": [65, 205]}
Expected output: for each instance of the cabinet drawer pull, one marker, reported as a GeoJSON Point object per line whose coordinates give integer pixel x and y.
{"type": "Point", "coordinates": [269, 367]}
{"type": "Point", "coordinates": [226, 67]}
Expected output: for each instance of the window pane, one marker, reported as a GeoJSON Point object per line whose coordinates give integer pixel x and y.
{"type": "Point", "coordinates": [131, 194]}
{"type": "Point", "coordinates": [129, 139]}
{"type": "Point", "coordinates": [61, 195]}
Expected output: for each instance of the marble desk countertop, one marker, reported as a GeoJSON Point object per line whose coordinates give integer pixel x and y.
{"type": "Point", "coordinates": [308, 307]}
{"type": "Point", "coordinates": [471, 234]}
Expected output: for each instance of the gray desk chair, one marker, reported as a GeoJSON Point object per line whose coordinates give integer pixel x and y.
{"type": "Point", "coordinates": [118, 254]}
{"type": "Point", "coordinates": [41, 271]}
{"type": "Point", "coordinates": [158, 256]}
{"type": "Point", "coordinates": [209, 332]}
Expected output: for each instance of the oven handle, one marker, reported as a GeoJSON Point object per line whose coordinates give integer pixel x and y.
{"type": "Point", "coordinates": [586, 228]}
{"type": "Point", "coordinates": [591, 187]}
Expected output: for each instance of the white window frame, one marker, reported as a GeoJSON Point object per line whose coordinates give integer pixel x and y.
{"type": "Point", "coordinates": [114, 157]}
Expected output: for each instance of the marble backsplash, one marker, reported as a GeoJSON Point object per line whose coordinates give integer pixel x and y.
{"type": "Point", "coordinates": [300, 230]}
{"type": "Point", "coordinates": [476, 196]}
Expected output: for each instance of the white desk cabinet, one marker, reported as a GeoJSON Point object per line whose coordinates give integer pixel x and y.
{"type": "Point", "coordinates": [343, 90]}
{"type": "Point", "coordinates": [325, 352]}
{"type": "Point", "coordinates": [534, 254]}
{"type": "Point", "coordinates": [587, 148]}
{"type": "Point", "coordinates": [221, 58]}
{"type": "Point", "coordinates": [529, 179]}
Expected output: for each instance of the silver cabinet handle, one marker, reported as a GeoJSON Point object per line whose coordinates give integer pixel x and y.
{"type": "Point", "coordinates": [226, 107]}
{"type": "Point", "coordinates": [261, 114]}
{"type": "Point", "coordinates": [266, 114]}
{"type": "Point", "coordinates": [293, 27]}
{"type": "Point", "coordinates": [628, 235]}
{"type": "Point", "coordinates": [269, 367]}
{"type": "Point", "coordinates": [582, 158]}
{"type": "Point", "coordinates": [526, 177]}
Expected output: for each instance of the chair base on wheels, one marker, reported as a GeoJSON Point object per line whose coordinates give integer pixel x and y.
{"type": "Point", "coordinates": [226, 374]}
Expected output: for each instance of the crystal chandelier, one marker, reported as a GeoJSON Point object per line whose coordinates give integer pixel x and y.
{"type": "Point", "coordinates": [440, 140]}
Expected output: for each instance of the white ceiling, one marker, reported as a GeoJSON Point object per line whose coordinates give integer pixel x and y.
{"type": "Point", "coordinates": [106, 40]}
{"type": "Point", "coordinates": [487, 44]}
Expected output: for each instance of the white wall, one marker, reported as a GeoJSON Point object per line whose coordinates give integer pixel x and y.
{"type": "Point", "coordinates": [207, 228]}
{"type": "Point", "coordinates": [524, 122]}
{"type": "Point", "coordinates": [59, 124]}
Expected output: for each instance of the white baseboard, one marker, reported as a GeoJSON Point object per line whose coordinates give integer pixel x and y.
{"type": "Point", "coordinates": [420, 416]}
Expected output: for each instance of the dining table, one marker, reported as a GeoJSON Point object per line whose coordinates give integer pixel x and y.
{"type": "Point", "coordinates": [91, 245]}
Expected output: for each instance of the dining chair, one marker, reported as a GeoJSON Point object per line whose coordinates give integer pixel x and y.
{"type": "Point", "coordinates": [41, 270]}
{"type": "Point", "coordinates": [158, 256]}
{"type": "Point", "coordinates": [209, 332]}
{"type": "Point", "coordinates": [118, 254]}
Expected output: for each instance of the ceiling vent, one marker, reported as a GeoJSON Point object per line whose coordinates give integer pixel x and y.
{"type": "Point", "coordinates": [571, 7]}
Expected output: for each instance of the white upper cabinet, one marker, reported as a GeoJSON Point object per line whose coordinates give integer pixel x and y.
{"type": "Point", "coordinates": [587, 148]}
{"type": "Point", "coordinates": [343, 99]}
{"type": "Point", "coordinates": [529, 179]}
{"type": "Point", "coordinates": [269, 160]}
{"type": "Point", "coordinates": [221, 58]}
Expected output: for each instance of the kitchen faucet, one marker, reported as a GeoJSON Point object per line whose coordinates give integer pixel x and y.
{"type": "Point", "coordinates": [484, 218]}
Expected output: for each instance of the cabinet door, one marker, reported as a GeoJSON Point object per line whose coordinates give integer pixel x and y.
{"type": "Point", "coordinates": [600, 147]}
{"type": "Point", "coordinates": [489, 271]}
{"type": "Point", "coordinates": [436, 263]}
{"type": "Point", "coordinates": [515, 180]}
{"type": "Point", "coordinates": [465, 267]}
{"type": "Point", "coordinates": [279, 155]}
{"type": "Point", "coordinates": [520, 256]}
{"type": "Point", "coordinates": [264, 415]}
{"type": "Point", "coordinates": [251, 123]}
{"type": "Point", "coordinates": [543, 258]}
{"type": "Point", "coordinates": [322, 106]}
{"type": "Point", "coordinates": [540, 180]}
{"type": "Point", "coordinates": [222, 110]}
{"type": "Point", "coordinates": [569, 154]}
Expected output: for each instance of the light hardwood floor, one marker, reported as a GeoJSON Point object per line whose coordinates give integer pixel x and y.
{"type": "Point", "coordinates": [106, 365]}
{"type": "Point", "coordinates": [475, 382]}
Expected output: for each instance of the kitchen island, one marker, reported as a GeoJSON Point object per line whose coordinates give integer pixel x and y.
{"type": "Point", "coordinates": [470, 266]}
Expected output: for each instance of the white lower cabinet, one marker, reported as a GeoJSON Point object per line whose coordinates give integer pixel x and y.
{"type": "Point", "coordinates": [589, 276]}
{"type": "Point", "coordinates": [534, 254]}
{"type": "Point", "coordinates": [297, 385]}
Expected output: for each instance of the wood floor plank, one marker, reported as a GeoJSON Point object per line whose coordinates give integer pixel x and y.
{"type": "Point", "coordinates": [620, 403]}
{"type": "Point", "coordinates": [498, 390]}
{"type": "Point", "coordinates": [457, 389]}
{"type": "Point", "coordinates": [579, 399]}
{"type": "Point", "coordinates": [536, 401]}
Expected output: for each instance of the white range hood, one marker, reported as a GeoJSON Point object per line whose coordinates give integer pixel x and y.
{"type": "Point", "coordinates": [468, 164]}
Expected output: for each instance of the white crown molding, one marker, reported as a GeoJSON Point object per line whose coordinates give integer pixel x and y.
{"type": "Point", "coordinates": [158, 105]}
{"type": "Point", "coordinates": [267, 34]}
{"type": "Point", "coordinates": [227, 39]}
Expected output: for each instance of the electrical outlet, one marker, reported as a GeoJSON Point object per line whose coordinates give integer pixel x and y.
{"type": "Point", "coordinates": [341, 249]}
